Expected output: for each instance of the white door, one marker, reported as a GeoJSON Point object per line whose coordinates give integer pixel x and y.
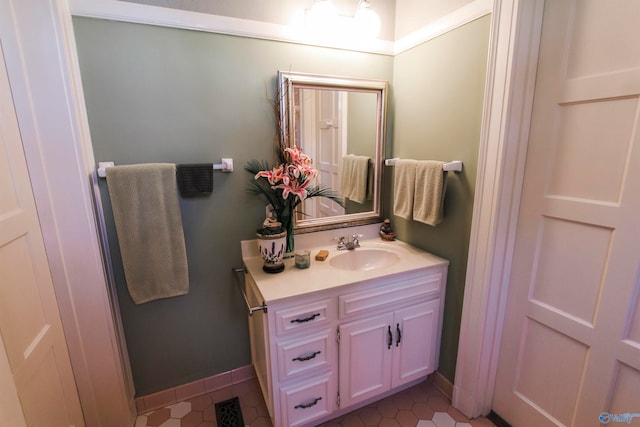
{"type": "Point", "coordinates": [570, 350]}
{"type": "Point", "coordinates": [30, 327]}
{"type": "Point", "coordinates": [329, 147]}
{"type": "Point", "coordinates": [319, 132]}
{"type": "Point", "coordinates": [305, 134]}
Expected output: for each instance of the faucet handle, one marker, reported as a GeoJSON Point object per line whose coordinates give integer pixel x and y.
{"type": "Point", "coordinates": [354, 239]}
{"type": "Point", "coordinates": [341, 242]}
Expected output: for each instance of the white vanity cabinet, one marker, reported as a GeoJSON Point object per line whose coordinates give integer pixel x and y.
{"type": "Point", "coordinates": [385, 351]}
{"type": "Point", "coordinates": [332, 342]}
{"type": "Point", "coordinates": [294, 353]}
{"type": "Point", "coordinates": [394, 335]}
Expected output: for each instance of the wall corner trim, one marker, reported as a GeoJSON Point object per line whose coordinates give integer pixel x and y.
{"type": "Point", "coordinates": [511, 70]}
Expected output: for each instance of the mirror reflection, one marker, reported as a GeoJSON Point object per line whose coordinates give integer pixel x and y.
{"type": "Point", "coordinates": [339, 123]}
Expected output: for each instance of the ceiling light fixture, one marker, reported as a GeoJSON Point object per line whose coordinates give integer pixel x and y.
{"type": "Point", "coordinates": [323, 22]}
{"type": "Point", "coordinates": [367, 20]}
{"type": "Point", "coordinates": [321, 16]}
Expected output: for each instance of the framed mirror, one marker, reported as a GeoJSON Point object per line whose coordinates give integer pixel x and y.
{"type": "Point", "coordinates": [340, 123]}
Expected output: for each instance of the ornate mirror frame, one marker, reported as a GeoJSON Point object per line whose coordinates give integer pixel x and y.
{"type": "Point", "coordinates": [287, 83]}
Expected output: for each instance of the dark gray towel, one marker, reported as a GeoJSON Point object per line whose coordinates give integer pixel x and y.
{"type": "Point", "coordinates": [195, 179]}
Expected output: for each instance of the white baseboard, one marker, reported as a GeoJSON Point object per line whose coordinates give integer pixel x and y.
{"type": "Point", "coordinates": [186, 391]}
{"type": "Point", "coordinates": [441, 382]}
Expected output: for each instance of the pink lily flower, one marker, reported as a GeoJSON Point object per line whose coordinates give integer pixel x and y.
{"type": "Point", "coordinates": [274, 176]}
{"type": "Point", "coordinates": [297, 188]}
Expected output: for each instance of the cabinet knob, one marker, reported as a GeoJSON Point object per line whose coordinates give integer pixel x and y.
{"type": "Point", "coordinates": [390, 338]}
{"type": "Point", "coordinates": [398, 334]}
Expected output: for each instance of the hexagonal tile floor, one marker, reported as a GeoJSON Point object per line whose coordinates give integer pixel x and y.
{"type": "Point", "coordinates": [419, 406]}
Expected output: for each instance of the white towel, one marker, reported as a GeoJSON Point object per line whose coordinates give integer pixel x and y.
{"type": "Point", "coordinates": [144, 200]}
{"type": "Point", "coordinates": [354, 177]}
{"type": "Point", "coordinates": [345, 177]}
{"type": "Point", "coordinates": [429, 192]}
{"type": "Point", "coordinates": [404, 181]}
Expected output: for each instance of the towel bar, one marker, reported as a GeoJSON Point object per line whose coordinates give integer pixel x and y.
{"type": "Point", "coordinates": [225, 166]}
{"type": "Point", "coordinates": [238, 278]}
{"type": "Point", "coordinates": [454, 166]}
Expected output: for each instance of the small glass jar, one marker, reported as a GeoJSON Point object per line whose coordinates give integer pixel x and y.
{"type": "Point", "coordinates": [303, 258]}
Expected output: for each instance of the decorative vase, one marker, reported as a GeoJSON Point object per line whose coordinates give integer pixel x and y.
{"type": "Point", "coordinates": [287, 225]}
{"type": "Point", "coordinates": [290, 239]}
{"type": "Point", "coordinates": [272, 248]}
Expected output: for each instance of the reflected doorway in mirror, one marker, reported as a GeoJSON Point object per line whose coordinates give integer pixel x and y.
{"type": "Point", "coordinates": [331, 117]}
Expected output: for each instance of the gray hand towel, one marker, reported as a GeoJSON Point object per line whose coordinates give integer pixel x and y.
{"type": "Point", "coordinates": [149, 226]}
{"type": "Point", "coordinates": [195, 179]}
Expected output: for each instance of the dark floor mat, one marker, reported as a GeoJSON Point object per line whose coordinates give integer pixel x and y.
{"type": "Point", "coordinates": [228, 413]}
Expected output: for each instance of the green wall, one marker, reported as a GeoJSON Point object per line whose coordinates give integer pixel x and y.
{"type": "Point", "coordinates": [438, 92]}
{"type": "Point", "coordinates": [157, 94]}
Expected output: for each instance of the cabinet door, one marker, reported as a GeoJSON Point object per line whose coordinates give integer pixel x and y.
{"type": "Point", "coordinates": [415, 341]}
{"type": "Point", "coordinates": [366, 348]}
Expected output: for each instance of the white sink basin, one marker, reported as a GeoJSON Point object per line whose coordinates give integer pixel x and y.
{"type": "Point", "coordinates": [364, 259]}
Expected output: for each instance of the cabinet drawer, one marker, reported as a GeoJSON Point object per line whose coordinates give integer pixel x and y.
{"type": "Point", "coordinates": [403, 290]}
{"type": "Point", "coordinates": [308, 401]}
{"type": "Point", "coordinates": [304, 316]}
{"type": "Point", "coordinates": [305, 354]}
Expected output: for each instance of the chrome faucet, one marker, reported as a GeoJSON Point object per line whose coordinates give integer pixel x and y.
{"type": "Point", "coordinates": [350, 245]}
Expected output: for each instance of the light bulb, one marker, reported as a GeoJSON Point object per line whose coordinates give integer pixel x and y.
{"type": "Point", "coordinates": [321, 17]}
{"type": "Point", "coordinates": [367, 20]}
{"type": "Point", "coordinates": [323, 8]}
{"type": "Point", "coordinates": [322, 11]}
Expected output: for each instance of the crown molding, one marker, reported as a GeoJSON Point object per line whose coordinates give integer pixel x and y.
{"type": "Point", "coordinates": [470, 12]}
{"type": "Point", "coordinates": [176, 18]}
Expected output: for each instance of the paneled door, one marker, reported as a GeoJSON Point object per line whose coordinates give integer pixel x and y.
{"type": "Point", "coordinates": [570, 352]}
{"type": "Point", "coordinates": [320, 129]}
{"type": "Point", "coordinates": [35, 364]}
{"type": "Point", "coordinates": [330, 142]}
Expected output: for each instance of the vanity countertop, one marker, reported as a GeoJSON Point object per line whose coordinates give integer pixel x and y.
{"type": "Point", "coordinates": [321, 275]}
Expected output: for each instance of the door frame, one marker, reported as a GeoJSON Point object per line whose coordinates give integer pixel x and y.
{"type": "Point", "coordinates": [511, 72]}
{"type": "Point", "coordinates": [47, 95]}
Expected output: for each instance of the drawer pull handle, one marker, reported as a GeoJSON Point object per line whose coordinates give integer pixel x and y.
{"type": "Point", "coordinates": [399, 334]}
{"type": "Point", "coordinates": [306, 319]}
{"type": "Point", "coordinates": [390, 336]}
{"type": "Point", "coordinates": [314, 402]}
{"type": "Point", "coordinates": [305, 358]}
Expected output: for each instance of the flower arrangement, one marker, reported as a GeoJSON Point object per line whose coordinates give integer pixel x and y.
{"type": "Point", "coordinates": [287, 185]}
